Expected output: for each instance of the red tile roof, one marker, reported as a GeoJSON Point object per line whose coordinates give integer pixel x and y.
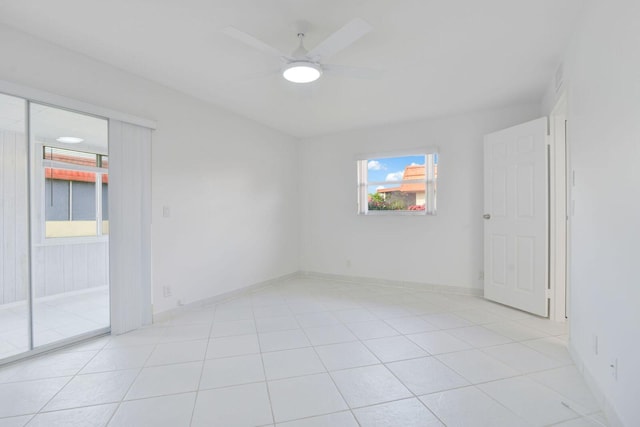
{"type": "Point", "coordinates": [413, 172]}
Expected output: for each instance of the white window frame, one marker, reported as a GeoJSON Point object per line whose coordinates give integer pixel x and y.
{"type": "Point", "coordinates": [430, 182]}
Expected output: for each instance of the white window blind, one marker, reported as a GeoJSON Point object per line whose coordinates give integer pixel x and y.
{"type": "Point", "coordinates": [130, 226]}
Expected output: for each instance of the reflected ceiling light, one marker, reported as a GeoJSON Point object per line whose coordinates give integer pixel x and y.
{"type": "Point", "coordinates": [302, 72]}
{"type": "Point", "coordinates": [69, 139]}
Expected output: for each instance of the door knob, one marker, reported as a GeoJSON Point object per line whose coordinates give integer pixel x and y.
{"type": "Point", "coordinates": [486, 216]}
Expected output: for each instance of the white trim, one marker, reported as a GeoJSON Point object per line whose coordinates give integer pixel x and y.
{"type": "Point", "coordinates": [55, 346]}
{"type": "Point", "coordinates": [605, 404]}
{"type": "Point", "coordinates": [166, 315]}
{"type": "Point", "coordinates": [417, 151]}
{"type": "Point", "coordinates": [43, 97]}
{"type": "Point", "coordinates": [395, 213]}
{"type": "Point", "coordinates": [558, 212]}
{"type": "Point", "coordinates": [416, 286]}
{"type": "Point", "coordinates": [404, 181]}
{"type": "Point", "coordinates": [66, 241]}
{"type": "Point", "coordinates": [55, 164]}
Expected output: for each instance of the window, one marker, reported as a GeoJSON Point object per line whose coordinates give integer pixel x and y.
{"type": "Point", "coordinates": [403, 185]}
{"type": "Point", "coordinates": [76, 193]}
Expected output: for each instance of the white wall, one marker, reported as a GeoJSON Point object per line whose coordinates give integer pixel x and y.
{"type": "Point", "coordinates": [602, 74]}
{"type": "Point", "coordinates": [443, 250]}
{"type": "Point", "coordinates": [226, 179]}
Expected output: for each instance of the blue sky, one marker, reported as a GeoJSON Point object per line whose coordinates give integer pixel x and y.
{"type": "Point", "coordinates": [391, 168]}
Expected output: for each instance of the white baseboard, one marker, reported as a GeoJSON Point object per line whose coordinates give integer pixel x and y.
{"type": "Point", "coordinates": [418, 286]}
{"type": "Point", "coordinates": [457, 290]}
{"type": "Point", "coordinates": [163, 316]}
{"type": "Point", "coordinates": [612, 417]}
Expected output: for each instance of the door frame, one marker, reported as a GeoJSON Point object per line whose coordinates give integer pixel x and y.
{"type": "Point", "coordinates": [559, 181]}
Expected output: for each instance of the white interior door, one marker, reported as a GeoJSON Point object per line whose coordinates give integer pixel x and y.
{"type": "Point", "coordinates": [515, 217]}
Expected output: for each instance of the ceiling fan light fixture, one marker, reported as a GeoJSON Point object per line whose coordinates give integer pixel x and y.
{"type": "Point", "coordinates": [302, 72]}
{"type": "Point", "coordinates": [69, 139]}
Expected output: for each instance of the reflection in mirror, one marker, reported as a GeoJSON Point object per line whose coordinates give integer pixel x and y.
{"type": "Point", "coordinates": [70, 247]}
{"type": "Point", "coordinates": [14, 252]}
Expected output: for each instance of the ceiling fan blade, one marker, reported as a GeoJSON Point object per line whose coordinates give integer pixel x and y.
{"type": "Point", "coordinates": [342, 38]}
{"type": "Point", "coordinates": [249, 40]}
{"type": "Point", "coordinates": [354, 72]}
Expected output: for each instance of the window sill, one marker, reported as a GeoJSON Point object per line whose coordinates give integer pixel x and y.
{"type": "Point", "coordinates": [57, 241]}
{"type": "Point", "coordinates": [395, 213]}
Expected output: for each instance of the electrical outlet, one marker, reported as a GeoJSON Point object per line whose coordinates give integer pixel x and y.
{"type": "Point", "coordinates": [166, 291]}
{"type": "Point", "coordinates": [166, 211]}
{"type": "Point", "coordinates": [481, 275]}
{"type": "Point", "coordinates": [595, 345]}
{"type": "Point", "coordinates": [348, 263]}
{"type": "Point", "coordinates": [614, 369]}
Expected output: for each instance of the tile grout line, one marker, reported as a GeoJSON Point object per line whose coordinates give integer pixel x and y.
{"type": "Point", "coordinates": [264, 370]}
{"type": "Point", "coordinates": [132, 383]}
{"type": "Point", "coordinates": [395, 376]}
{"type": "Point", "coordinates": [327, 372]}
{"type": "Point", "coordinates": [204, 361]}
{"type": "Point", "coordinates": [66, 384]}
{"type": "Point", "coordinates": [345, 294]}
{"type": "Point", "coordinates": [473, 347]}
{"type": "Point", "coordinates": [344, 324]}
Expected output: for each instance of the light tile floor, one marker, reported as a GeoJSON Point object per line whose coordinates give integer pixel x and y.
{"type": "Point", "coordinates": [55, 318]}
{"type": "Point", "coordinates": [309, 353]}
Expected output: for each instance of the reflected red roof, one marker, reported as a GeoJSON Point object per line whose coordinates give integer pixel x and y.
{"type": "Point", "coordinates": [69, 175]}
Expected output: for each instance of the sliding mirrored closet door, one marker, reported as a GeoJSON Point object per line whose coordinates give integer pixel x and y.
{"type": "Point", "coordinates": [55, 226]}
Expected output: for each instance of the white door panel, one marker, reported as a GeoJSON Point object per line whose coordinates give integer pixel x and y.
{"type": "Point", "coordinates": [515, 226]}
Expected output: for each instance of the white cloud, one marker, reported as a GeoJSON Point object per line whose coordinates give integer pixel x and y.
{"type": "Point", "coordinates": [395, 176]}
{"type": "Point", "coordinates": [375, 165]}
{"type": "Point", "coordinates": [380, 187]}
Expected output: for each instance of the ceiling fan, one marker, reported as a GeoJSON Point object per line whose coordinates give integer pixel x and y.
{"type": "Point", "coordinates": [304, 66]}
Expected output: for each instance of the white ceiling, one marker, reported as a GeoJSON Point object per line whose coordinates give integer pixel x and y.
{"type": "Point", "coordinates": [438, 56]}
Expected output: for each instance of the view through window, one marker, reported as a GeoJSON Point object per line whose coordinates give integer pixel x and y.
{"type": "Point", "coordinates": [76, 193]}
{"type": "Point", "coordinates": [398, 185]}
